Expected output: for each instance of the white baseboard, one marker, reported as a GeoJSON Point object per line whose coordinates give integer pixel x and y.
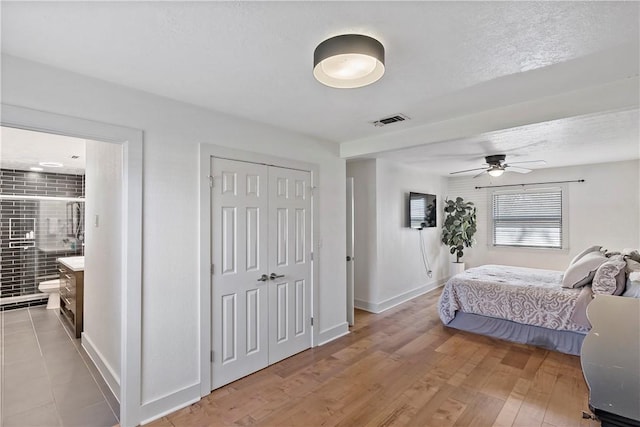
{"type": "Point", "coordinates": [108, 373]}
{"type": "Point", "coordinates": [398, 299]}
{"type": "Point", "coordinates": [365, 305]}
{"type": "Point", "coordinates": [151, 411]}
{"type": "Point", "coordinates": [333, 333]}
{"type": "Point", "coordinates": [22, 298]}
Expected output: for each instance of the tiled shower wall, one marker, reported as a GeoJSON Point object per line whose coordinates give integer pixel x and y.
{"type": "Point", "coordinates": [32, 259]}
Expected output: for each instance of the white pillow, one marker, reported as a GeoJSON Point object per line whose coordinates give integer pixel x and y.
{"type": "Point", "coordinates": [633, 288]}
{"type": "Point", "coordinates": [581, 273]}
{"type": "Point", "coordinates": [584, 252]}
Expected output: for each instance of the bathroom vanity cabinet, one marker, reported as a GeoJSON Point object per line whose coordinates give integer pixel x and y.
{"type": "Point", "coordinates": [72, 292]}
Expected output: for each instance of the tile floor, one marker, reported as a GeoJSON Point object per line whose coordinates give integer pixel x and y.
{"type": "Point", "coordinates": [47, 378]}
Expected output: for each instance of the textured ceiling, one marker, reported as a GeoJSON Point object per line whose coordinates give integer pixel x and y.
{"type": "Point", "coordinates": [564, 142]}
{"type": "Point", "coordinates": [22, 149]}
{"type": "Point", "coordinates": [254, 59]}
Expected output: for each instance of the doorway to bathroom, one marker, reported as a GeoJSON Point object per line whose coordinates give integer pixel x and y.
{"type": "Point", "coordinates": [49, 184]}
{"type": "Point", "coordinates": [116, 337]}
{"type": "Point", "coordinates": [42, 198]}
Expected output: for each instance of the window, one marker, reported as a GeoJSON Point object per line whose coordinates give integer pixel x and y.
{"type": "Point", "coordinates": [528, 218]}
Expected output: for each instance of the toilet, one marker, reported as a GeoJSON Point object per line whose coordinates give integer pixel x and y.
{"type": "Point", "coordinates": [51, 287]}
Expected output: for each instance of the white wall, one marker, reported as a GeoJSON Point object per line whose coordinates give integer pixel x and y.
{"type": "Point", "coordinates": [172, 134]}
{"type": "Point", "coordinates": [385, 247]}
{"type": "Point", "coordinates": [365, 228]}
{"type": "Point", "coordinates": [604, 210]}
{"type": "Point", "coordinates": [103, 187]}
{"type": "Point", "coordinates": [400, 266]}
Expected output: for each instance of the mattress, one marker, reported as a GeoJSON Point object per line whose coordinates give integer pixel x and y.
{"type": "Point", "coordinates": [527, 296]}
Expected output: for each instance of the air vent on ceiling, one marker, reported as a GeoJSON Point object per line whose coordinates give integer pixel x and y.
{"type": "Point", "coordinates": [388, 120]}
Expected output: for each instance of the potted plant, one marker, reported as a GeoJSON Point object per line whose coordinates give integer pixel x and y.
{"type": "Point", "coordinates": [458, 229]}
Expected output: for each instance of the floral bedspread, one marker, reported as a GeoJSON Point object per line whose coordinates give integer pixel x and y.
{"type": "Point", "coordinates": [525, 295]}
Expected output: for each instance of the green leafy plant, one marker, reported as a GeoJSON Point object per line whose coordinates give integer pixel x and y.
{"type": "Point", "coordinates": [459, 226]}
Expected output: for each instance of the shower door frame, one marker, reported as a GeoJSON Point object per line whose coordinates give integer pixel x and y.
{"type": "Point", "coordinates": [131, 274]}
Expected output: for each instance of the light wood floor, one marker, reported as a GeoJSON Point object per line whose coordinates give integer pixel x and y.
{"type": "Point", "coordinates": [403, 368]}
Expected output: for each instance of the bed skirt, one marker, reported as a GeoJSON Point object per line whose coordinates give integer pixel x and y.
{"type": "Point", "coordinates": [563, 341]}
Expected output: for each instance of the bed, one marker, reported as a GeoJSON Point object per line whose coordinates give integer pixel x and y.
{"type": "Point", "coordinates": [524, 305]}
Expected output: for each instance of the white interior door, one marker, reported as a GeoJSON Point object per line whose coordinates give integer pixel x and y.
{"type": "Point", "coordinates": [239, 251]}
{"type": "Point", "coordinates": [261, 254]}
{"type": "Point", "coordinates": [289, 262]}
{"type": "Point", "coordinates": [350, 251]}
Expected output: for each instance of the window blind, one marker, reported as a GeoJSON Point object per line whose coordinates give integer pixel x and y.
{"type": "Point", "coordinates": [528, 218]}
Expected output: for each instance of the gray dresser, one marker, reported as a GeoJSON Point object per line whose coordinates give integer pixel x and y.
{"type": "Point", "coordinates": [610, 359]}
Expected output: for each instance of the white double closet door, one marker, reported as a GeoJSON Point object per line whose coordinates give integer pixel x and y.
{"type": "Point", "coordinates": [261, 250]}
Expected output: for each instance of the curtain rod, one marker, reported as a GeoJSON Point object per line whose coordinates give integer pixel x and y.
{"type": "Point", "coordinates": [531, 183]}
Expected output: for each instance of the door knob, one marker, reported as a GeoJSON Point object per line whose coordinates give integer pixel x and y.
{"type": "Point", "coordinates": [349, 258]}
{"type": "Point", "coordinates": [275, 276]}
{"type": "Point", "coordinates": [263, 278]}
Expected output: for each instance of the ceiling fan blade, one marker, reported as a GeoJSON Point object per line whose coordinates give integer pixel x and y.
{"type": "Point", "coordinates": [468, 170]}
{"type": "Point", "coordinates": [481, 173]}
{"type": "Point", "coordinates": [517, 169]}
{"type": "Point", "coordinates": [540, 162]}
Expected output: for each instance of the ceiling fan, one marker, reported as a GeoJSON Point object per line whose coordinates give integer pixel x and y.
{"type": "Point", "coordinates": [495, 166]}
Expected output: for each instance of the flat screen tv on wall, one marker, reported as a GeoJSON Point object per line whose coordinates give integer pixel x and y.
{"type": "Point", "coordinates": [422, 210]}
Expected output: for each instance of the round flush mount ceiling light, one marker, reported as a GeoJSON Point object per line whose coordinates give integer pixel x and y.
{"type": "Point", "coordinates": [348, 61]}
{"type": "Point", "coordinates": [496, 171]}
{"type": "Point", "coordinates": [51, 164]}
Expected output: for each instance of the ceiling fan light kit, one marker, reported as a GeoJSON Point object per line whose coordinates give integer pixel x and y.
{"type": "Point", "coordinates": [496, 166]}
{"type": "Point", "coordinates": [496, 171]}
{"type": "Point", "coordinates": [348, 61]}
